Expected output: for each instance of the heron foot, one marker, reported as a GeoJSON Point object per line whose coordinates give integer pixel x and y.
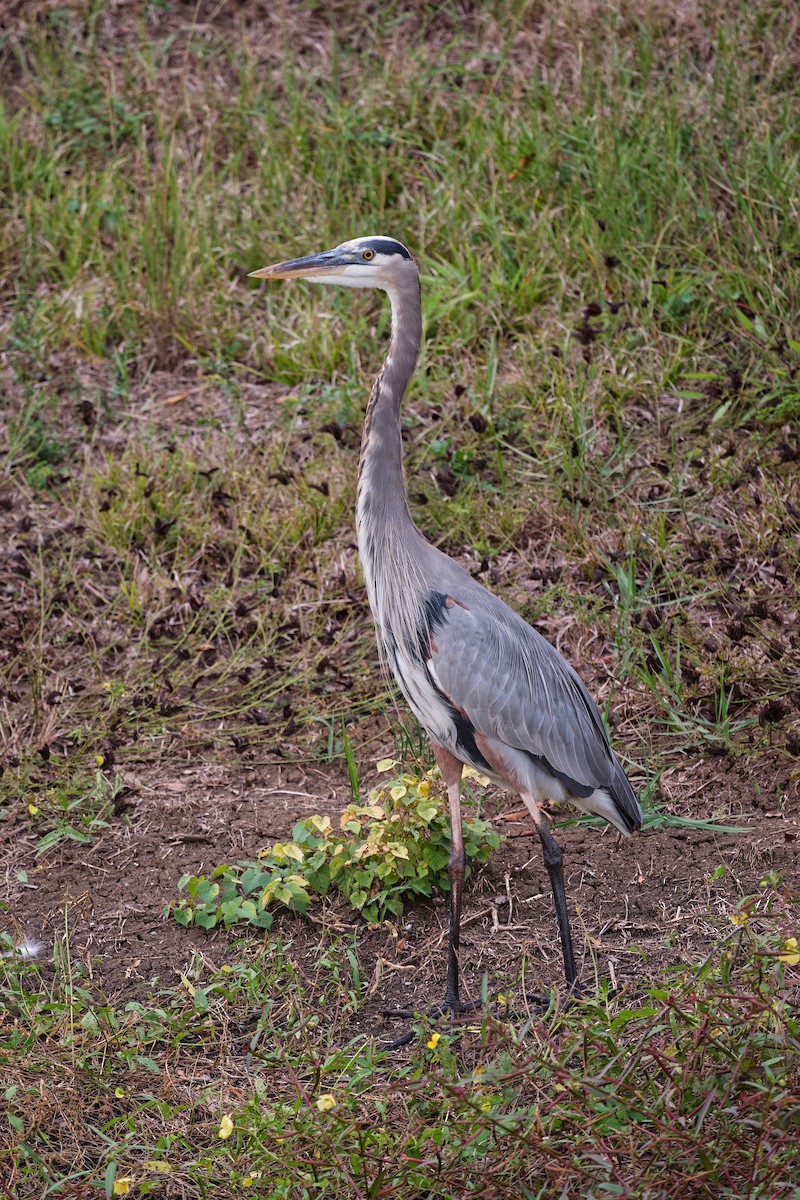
{"type": "Point", "coordinates": [452, 1008]}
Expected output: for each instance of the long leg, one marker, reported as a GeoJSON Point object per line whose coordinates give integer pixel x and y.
{"type": "Point", "coordinates": [553, 860]}
{"type": "Point", "coordinates": [451, 770]}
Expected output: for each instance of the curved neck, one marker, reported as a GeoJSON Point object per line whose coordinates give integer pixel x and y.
{"type": "Point", "coordinates": [382, 501]}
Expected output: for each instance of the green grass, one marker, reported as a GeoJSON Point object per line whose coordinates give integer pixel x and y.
{"type": "Point", "coordinates": [603, 427]}
{"type": "Point", "coordinates": [514, 194]}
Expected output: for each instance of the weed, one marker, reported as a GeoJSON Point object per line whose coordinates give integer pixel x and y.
{"type": "Point", "coordinates": [86, 116]}
{"type": "Point", "coordinates": [34, 446]}
{"type": "Point", "coordinates": [691, 726]}
{"type": "Point", "coordinates": [388, 852]}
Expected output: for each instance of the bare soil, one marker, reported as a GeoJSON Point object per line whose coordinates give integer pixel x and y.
{"type": "Point", "coordinates": [638, 904]}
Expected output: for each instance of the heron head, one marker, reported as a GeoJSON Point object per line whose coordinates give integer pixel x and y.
{"type": "Point", "coordinates": [364, 262]}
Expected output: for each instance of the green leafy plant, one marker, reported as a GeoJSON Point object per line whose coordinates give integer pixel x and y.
{"type": "Point", "coordinates": [74, 812]}
{"type": "Point", "coordinates": [88, 115]}
{"type": "Point", "coordinates": [385, 854]}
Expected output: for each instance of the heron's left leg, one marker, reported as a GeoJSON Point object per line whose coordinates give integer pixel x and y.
{"type": "Point", "coordinates": [451, 770]}
{"type": "Point", "coordinates": [553, 860]}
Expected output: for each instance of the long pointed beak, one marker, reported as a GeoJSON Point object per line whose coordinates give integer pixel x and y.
{"type": "Point", "coordinates": [303, 268]}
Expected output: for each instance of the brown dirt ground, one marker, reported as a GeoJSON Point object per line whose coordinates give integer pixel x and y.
{"type": "Point", "coordinates": [640, 903]}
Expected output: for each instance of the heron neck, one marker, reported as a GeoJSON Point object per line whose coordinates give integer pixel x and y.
{"type": "Point", "coordinates": [382, 501]}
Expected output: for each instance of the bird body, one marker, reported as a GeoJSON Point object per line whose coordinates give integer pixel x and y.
{"type": "Point", "coordinates": [490, 691]}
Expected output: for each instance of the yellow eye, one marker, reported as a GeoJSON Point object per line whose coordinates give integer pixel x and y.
{"type": "Point", "coordinates": [368, 254]}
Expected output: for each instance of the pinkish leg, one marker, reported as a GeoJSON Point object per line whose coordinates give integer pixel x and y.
{"type": "Point", "coordinates": [451, 769]}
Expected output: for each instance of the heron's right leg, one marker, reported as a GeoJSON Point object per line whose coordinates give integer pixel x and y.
{"type": "Point", "coordinates": [451, 769]}
{"type": "Point", "coordinates": [553, 860]}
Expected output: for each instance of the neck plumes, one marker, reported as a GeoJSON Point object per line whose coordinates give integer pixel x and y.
{"type": "Point", "coordinates": [386, 533]}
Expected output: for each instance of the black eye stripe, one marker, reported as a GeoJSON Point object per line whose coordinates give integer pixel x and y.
{"type": "Point", "coordinates": [387, 246]}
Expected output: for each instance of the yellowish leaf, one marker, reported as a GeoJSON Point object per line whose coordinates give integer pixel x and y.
{"type": "Point", "coordinates": [476, 776]}
{"type": "Point", "coordinates": [189, 986]}
{"type": "Point", "coordinates": [791, 952]}
{"type": "Point", "coordinates": [288, 850]}
{"type": "Point", "coordinates": [385, 764]}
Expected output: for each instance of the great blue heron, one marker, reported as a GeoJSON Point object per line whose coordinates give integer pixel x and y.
{"type": "Point", "coordinates": [489, 690]}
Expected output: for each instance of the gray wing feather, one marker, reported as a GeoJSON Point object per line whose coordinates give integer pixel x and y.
{"type": "Point", "coordinates": [513, 685]}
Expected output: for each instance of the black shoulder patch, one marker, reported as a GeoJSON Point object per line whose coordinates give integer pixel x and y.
{"type": "Point", "coordinates": [434, 614]}
{"type": "Point", "coordinates": [387, 246]}
{"type": "Point", "coordinates": [435, 606]}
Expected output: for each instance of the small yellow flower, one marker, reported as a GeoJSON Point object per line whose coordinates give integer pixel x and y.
{"type": "Point", "coordinates": [225, 1127]}
{"type": "Point", "coordinates": [326, 1102]}
{"type": "Point", "coordinates": [123, 1186]}
{"type": "Point", "coordinates": [740, 918]}
{"type": "Point", "coordinates": [98, 758]}
{"type": "Point", "coordinates": [33, 809]}
{"type": "Point", "coordinates": [433, 1041]}
{"type": "Point", "coordinates": [119, 1093]}
{"type": "Point", "coordinates": [486, 1106]}
{"type": "Point", "coordinates": [502, 999]}
{"type": "Point", "coordinates": [107, 687]}
{"type": "Point", "coordinates": [791, 952]}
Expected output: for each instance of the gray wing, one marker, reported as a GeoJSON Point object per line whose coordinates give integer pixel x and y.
{"type": "Point", "coordinates": [511, 684]}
